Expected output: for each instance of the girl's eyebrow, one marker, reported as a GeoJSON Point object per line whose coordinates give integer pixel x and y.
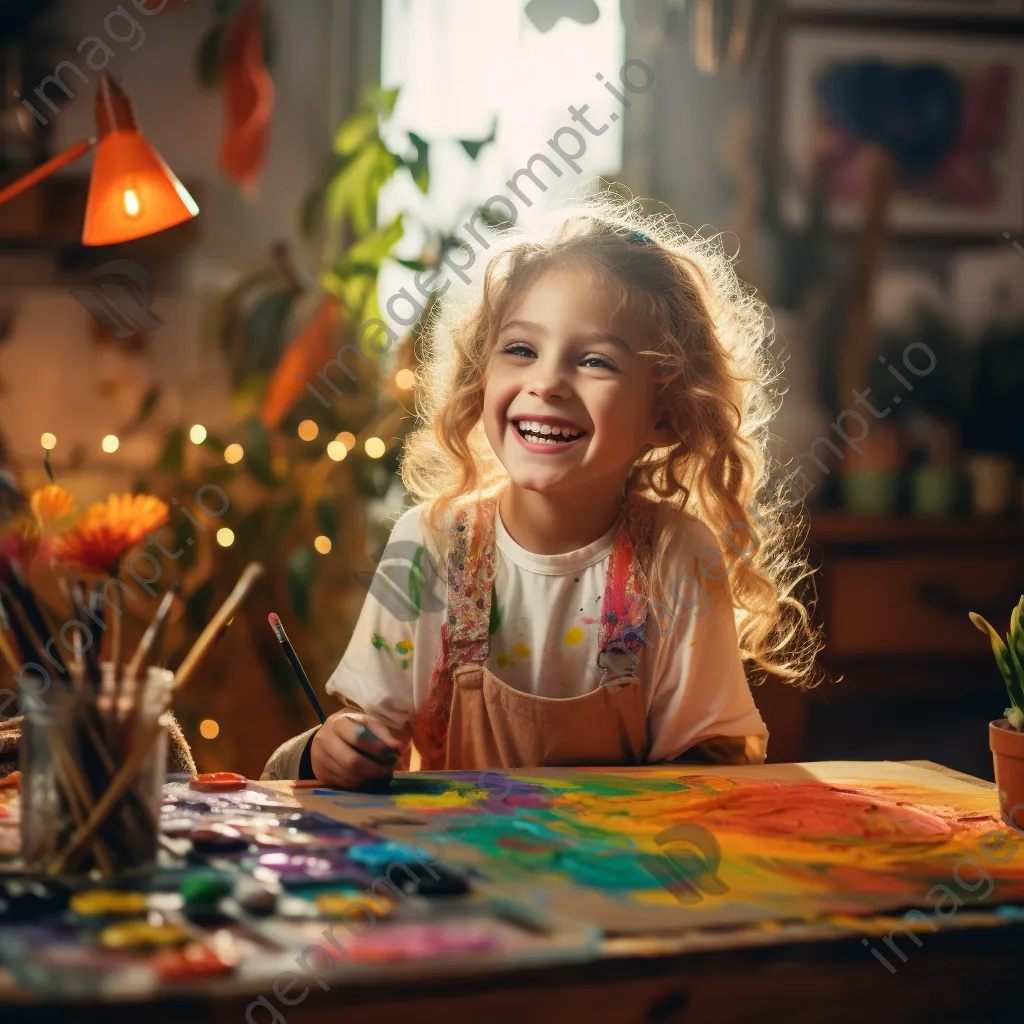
{"type": "Point", "coordinates": [530, 325]}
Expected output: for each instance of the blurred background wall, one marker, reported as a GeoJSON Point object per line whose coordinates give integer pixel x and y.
{"type": "Point", "coordinates": [866, 161]}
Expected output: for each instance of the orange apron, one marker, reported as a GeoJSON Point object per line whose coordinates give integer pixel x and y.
{"type": "Point", "coordinates": [472, 720]}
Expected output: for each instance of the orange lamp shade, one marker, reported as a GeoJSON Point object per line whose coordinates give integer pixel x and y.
{"type": "Point", "coordinates": [132, 192]}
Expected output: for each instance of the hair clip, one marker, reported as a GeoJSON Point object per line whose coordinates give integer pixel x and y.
{"type": "Point", "coordinates": [640, 238]}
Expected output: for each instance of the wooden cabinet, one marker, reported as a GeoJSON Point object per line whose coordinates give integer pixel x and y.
{"type": "Point", "coordinates": [893, 598]}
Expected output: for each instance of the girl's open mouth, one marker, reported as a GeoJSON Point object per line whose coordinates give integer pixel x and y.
{"type": "Point", "coordinates": [548, 435]}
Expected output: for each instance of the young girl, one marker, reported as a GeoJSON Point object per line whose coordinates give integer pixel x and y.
{"type": "Point", "coordinates": [585, 577]}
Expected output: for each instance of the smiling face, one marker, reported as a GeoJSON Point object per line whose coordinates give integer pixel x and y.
{"type": "Point", "coordinates": [568, 402]}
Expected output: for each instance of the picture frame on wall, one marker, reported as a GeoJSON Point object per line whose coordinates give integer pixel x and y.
{"type": "Point", "coordinates": [924, 8]}
{"type": "Point", "coordinates": [948, 108]}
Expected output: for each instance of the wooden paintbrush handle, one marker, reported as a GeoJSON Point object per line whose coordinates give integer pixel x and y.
{"type": "Point", "coordinates": [253, 572]}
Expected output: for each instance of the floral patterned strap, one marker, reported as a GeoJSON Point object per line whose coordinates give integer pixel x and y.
{"type": "Point", "coordinates": [471, 570]}
{"type": "Point", "coordinates": [464, 631]}
{"type": "Point", "coordinates": [624, 606]}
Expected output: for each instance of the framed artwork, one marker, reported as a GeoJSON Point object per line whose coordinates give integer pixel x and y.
{"type": "Point", "coordinates": [949, 109]}
{"type": "Point", "coordinates": [925, 8]}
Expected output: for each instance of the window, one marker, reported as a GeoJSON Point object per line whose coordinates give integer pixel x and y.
{"type": "Point", "coordinates": [463, 63]}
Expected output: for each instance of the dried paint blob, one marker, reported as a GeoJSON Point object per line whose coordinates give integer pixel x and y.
{"type": "Point", "coordinates": [218, 781]}
{"type": "Point", "coordinates": [107, 903]}
{"type": "Point", "coordinates": [573, 636]}
{"type": "Point", "coordinates": [190, 962]}
{"type": "Point", "coordinates": [425, 941]}
{"type": "Point", "coordinates": [380, 856]}
{"type": "Point", "coordinates": [338, 904]}
{"type": "Point", "coordinates": [142, 935]}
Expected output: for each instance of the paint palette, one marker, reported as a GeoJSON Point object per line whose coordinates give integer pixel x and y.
{"type": "Point", "coordinates": [255, 876]}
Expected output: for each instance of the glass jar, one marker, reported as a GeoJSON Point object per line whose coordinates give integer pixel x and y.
{"type": "Point", "coordinates": [74, 746]}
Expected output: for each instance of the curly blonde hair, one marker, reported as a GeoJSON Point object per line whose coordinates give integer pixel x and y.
{"type": "Point", "coordinates": [709, 336]}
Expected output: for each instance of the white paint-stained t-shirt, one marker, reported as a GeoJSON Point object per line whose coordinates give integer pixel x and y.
{"type": "Point", "coordinates": [545, 613]}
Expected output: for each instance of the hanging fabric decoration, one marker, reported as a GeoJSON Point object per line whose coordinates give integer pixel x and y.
{"type": "Point", "coordinates": [248, 98]}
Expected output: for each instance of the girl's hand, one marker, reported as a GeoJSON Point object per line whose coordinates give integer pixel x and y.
{"type": "Point", "coordinates": [350, 749]}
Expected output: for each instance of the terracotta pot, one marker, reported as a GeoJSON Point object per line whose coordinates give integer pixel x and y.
{"type": "Point", "coordinates": [1007, 747]}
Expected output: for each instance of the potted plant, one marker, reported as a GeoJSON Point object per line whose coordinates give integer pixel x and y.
{"type": "Point", "coordinates": [1006, 735]}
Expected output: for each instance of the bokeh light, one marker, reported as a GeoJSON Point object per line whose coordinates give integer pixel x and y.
{"type": "Point", "coordinates": [323, 544]}
{"type": "Point", "coordinates": [375, 447]}
{"type": "Point", "coordinates": [337, 451]}
{"type": "Point", "coordinates": [233, 453]}
{"type": "Point", "coordinates": [110, 443]}
{"type": "Point", "coordinates": [225, 537]}
{"type": "Point", "coordinates": [197, 435]}
{"type": "Point", "coordinates": [308, 430]}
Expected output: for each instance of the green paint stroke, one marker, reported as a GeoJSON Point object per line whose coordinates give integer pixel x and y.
{"type": "Point", "coordinates": [497, 614]}
{"type": "Point", "coordinates": [380, 643]}
{"type": "Point", "coordinates": [535, 829]}
{"type": "Point", "coordinates": [416, 581]}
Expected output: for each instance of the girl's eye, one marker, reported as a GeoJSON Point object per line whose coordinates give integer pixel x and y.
{"type": "Point", "coordinates": [598, 362]}
{"type": "Point", "coordinates": [518, 348]}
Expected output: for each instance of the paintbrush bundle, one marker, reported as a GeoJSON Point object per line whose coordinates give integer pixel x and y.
{"type": "Point", "coordinates": [75, 740]}
{"type": "Point", "coordinates": [81, 724]}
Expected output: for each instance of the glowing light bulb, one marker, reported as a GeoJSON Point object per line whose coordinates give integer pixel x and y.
{"type": "Point", "coordinates": [322, 544]}
{"type": "Point", "coordinates": [225, 537]}
{"type": "Point", "coordinates": [197, 435]}
{"type": "Point", "coordinates": [308, 430]}
{"type": "Point", "coordinates": [347, 439]}
{"type": "Point", "coordinates": [132, 206]}
{"type": "Point", "coordinates": [337, 451]}
{"type": "Point", "coordinates": [209, 729]}
{"type": "Point", "coordinates": [48, 441]}
{"type": "Point", "coordinates": [110, 443]}
{"type": "Point", "coordinates": [375, 447]}
{"type": "Point", "coordinates": [233, 453]}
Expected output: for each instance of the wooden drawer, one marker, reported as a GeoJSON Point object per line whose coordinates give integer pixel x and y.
{"type": "Point", "coordinates": [917, 605]}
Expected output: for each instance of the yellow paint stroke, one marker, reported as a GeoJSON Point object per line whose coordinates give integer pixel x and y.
{"type": "Point", "coordinates": [521, 650]}
{"type": "Point", "coordinates": [442, 801]}
{"type": "Point", "coordinates": [503, 659]}
{"type": "Point", "coordinates": [403, 646]}
{"type": "Point", "coordinates": [573, 636]}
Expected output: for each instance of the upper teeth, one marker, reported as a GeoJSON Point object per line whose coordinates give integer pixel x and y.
{"type": "Point", "coordinates": [546, 429]}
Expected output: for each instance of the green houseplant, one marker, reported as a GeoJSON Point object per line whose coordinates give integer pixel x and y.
{"type": "Point", "coordinates": [1006, 735]}
{"type": "Point", "coordinates": [305, 470]}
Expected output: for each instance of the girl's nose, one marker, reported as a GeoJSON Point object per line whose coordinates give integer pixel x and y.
{"type": "Point", "coordinates": [549, 381]}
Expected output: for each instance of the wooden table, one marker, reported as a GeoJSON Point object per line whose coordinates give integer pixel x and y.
{"type": "Point", "coordinates": [962, 975]}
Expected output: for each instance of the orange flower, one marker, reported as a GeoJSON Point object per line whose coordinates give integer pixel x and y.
{"type": "Point", "coordinates": [51, 505]}
{"type": "Point", "coordinates": [98, 541]}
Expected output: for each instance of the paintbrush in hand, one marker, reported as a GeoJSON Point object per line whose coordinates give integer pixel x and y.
{"type": "Point", "coordinates": [297, 669]}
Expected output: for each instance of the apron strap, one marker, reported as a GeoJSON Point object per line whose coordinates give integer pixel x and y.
{"type": "Point", "coordinates": [471, 569]}
{"type": "Point", "coordinates": [464, 635]}
{"type": "Point", "coordinates": [622, 630]}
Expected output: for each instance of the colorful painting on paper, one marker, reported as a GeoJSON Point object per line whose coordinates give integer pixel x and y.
{"type": "Point", "coordinates": [949, 111]}
{"type": "Point", "coordinates": [658, 849]}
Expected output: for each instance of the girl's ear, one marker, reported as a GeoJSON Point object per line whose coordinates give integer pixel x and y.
{"type": "Point", "coordinates": [662, 435]}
